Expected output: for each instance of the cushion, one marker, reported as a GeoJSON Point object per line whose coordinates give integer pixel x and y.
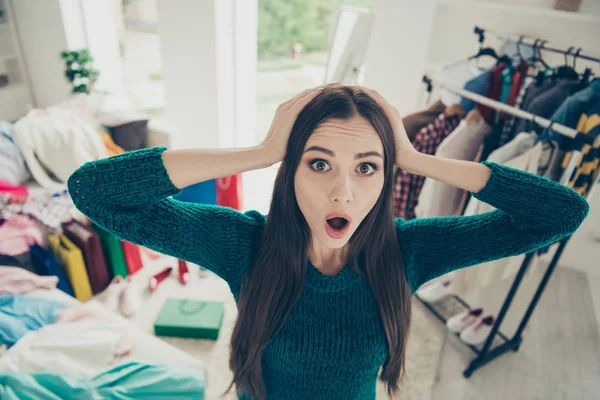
{"type": "Point", "coordinates": [131, 135]}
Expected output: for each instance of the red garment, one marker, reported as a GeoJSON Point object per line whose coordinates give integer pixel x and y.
{"type": "Point", "coordinates": [14, 190]}
{"type": "Point", "coordinates": [407, 187]}
{"type": "Point", "coordinates": [493, 92]}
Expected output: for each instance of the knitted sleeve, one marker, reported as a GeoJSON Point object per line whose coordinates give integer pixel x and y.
{"type": "Point", "coordinates": [130, 196]}
{"type": "Point", "coordinates": [531, 212]}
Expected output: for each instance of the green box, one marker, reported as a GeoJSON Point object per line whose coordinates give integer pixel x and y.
{"type": "Point", "coordinates": [190, 319]}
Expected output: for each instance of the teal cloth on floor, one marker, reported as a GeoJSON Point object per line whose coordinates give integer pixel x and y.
{"type": "Point", "coordinates": [131, 380]}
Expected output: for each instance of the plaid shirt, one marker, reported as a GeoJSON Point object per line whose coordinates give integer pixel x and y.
{"type": "Point", "coordinates": [408, 186]}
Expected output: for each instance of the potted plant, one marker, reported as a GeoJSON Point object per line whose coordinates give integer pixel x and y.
{"type": "Point", "coordinates": [79, 70]}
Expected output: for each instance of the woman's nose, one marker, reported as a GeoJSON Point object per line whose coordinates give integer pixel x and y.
{"type": "Point", "coordinates": [341, 191]}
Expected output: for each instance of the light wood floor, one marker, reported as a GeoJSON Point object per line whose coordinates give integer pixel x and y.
{"type": "Point", "coordinates": [560, 354]}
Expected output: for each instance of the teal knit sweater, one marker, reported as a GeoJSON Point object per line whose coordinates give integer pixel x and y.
{"type": "Point", "coordinates": [333, 342]}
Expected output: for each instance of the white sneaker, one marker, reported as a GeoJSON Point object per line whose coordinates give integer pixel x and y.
{"type": "Point", "coordinates": [435, 291]}
{"type": "Point", "coordinates": [461, 320]}
{"type": "Point", "coordinates": [477, 332]}
{"type": "Point", "coordinates": [131, 299]}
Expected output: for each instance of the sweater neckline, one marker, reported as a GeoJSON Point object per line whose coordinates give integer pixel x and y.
{"type": "Point", "coordinates": [326, 283]}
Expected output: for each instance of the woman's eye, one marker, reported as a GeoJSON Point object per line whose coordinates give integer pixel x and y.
{"type": "Point", "coordinates": [367, 169]}
{"type": "Point", "coordinates": [319, 165]}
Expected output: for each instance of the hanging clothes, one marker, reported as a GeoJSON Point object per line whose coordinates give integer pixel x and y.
{"type": "Point", "coordinates": [547, 103]}
{"type": "Point", "coordinates": [517, 83]}
{"type": "Point", "coordinates": [533, 90]}
{"type": "Point", "coordinates": [478, 85]}
{"type": "Point", "coordinates": [458, 73]}
{"type": "Point", "coordinates": [494, 91]}
{"type": "Point", "coordinates": [408, 186]}
{"type": "Point", "coordinates": [414, 122]}
{"type": "Point", "coordinates": [508, 129]}
{"type": "Point", "coordinates": [571, 111]}
{"type": "Point", "coordinates": [464, 143]}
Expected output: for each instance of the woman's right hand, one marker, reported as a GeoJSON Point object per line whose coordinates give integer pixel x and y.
{"type": "Point", "coordinates": [285, 117]}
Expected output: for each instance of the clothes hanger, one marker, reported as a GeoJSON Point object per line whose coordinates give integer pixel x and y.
{"type": "Point", "coordinates": [566, 71]}
{"type": "Point", "coordinates": [518, 57]}
{"type": "Point", "coordinates": [585, 77]}
{"type": "Point", "coordinates": [537, 57]}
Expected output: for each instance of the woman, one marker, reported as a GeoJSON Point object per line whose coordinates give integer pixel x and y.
{"type": "Point", "coordinates": [322, 283]}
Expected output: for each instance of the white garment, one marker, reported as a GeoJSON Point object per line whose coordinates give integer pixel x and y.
{"type": "Point", "coordinates": [485, 274]}
{"type": "Point", "coordinates": [456, 74]}
{"type": "Point", "coordinates": [438, 198]}
{"type": "Point", "coordinates": [58, 140]}
{"type": "Point", "coordinates": [75, 349]}
{"type": "Point", "coordinates": [519, 145]}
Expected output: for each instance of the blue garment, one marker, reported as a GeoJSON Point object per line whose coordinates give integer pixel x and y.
{"type": "Point", "coordinates": [21, 314]}
{"type": "Point", "coordinates": [478, 85]}
{"type": "Point", "coordinates": [46, 264]}
{"type": "Point", "coordinates": [571, 109]}
{"type": "Point", "coordinates": [131, 380]}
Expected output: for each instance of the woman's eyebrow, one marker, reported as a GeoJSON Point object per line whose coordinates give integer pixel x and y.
{"type": "Point", "coordinates": [321, 149]}
{"type": "Point", "coordinates": [367, 154]}
{"type": "Point", "coordinates": [332, 154]}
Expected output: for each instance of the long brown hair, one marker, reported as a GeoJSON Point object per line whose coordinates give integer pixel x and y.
{"type": "Point", "coordinates": [275, 279]}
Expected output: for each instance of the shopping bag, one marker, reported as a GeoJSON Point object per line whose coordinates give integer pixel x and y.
{"type": "Point", "coordinates": [203, 192]}
{"type": "Point", "coordinates": [229, 191]}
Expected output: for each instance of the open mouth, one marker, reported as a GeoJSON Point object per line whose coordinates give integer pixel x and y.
{"type": "Point", "coordinates": [337, 223]}
{"type": "Point", "coordinates": [337, 226]}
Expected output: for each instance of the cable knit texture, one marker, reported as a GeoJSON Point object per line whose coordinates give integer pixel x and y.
{"type": "Point", "coordinates": [333, 342]}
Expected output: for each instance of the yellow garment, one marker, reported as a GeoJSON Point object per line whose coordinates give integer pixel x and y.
{"type": "Point", "coordinates": [111, 147]}
{"type": "Point", "coordinates": [71, 259]}
{"type": "Point", "coordinates": [586, 171]}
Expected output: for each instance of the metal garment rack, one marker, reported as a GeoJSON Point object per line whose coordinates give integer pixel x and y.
{"type": "Point", "coordinates": [537, 44]}
{"type": "Point", "coordinates": [487, 353]}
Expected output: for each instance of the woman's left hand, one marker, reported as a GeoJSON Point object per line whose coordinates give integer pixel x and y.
{"type": "Point", "coordinates": [404, 148]}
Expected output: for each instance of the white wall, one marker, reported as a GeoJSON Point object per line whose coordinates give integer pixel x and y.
{"type": "Point", "coordinates": [42, 38]}
{"type": "Point", "coordinates": [47, 27]}
{"type": "Point", "coordinates": [209, 70]}
{"type": "Point", "coordinates": [187, 32]}
{"type": "Point", "coordinates": [102, 39]}
{"type": "Point", "coordinates": [398, 47]}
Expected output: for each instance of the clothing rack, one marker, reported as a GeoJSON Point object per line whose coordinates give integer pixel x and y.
{"type": "Point", "coordinates": [537, 44]}
{"type": "Point", "coordinates": [487, 354]}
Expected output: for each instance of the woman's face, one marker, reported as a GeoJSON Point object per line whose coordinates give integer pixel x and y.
{"type": "Point", "coordinates": [341, 171]}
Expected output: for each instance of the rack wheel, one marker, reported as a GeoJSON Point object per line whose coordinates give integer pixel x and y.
{"type": "Point", "coordinates": [467, 373]}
